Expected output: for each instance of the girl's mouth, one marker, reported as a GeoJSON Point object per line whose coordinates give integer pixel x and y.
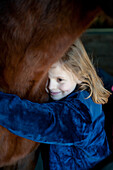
{"type": "Point", "coordinates": [54, 93]}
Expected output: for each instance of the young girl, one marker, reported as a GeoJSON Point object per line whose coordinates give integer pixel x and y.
{"type": "Point", "coordinates": [72, 124]}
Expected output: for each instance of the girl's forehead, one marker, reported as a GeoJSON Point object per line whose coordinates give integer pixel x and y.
{"type": "Point", "coordinates": [59, 70]}
{"type": "Point", "coordinates": [55, 65]}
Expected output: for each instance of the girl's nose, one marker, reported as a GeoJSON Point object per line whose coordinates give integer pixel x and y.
{"type": "Point", "coordinates": [52, 85]}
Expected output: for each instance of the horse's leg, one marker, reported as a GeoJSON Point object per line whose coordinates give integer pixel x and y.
{"type": "Point", "coordinates": [16, 150]}
{"type": "Point", "coordinates": [28, 163]}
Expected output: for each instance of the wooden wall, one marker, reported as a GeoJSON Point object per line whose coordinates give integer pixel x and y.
{"type": "Point", "coordinates": [99, 45]}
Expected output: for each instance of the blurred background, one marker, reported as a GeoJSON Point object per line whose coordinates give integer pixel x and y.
{"type": "Point", "coordinates": [98, 41]}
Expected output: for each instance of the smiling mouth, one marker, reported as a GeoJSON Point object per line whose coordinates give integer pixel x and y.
{"type": "Point", "coordinates": [54, 93]}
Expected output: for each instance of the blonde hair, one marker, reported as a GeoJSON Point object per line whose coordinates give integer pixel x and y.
{"type": "Point", "coordinates": [77, 60]}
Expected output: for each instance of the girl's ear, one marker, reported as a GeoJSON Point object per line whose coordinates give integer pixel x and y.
{"type": "Point", "coordinates": [79, 81]}
{"type": "Point", "coordinates": [46, 86]}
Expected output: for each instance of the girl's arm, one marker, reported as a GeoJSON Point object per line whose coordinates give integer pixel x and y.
{"type": "Point", "coordinates": [52, 123]}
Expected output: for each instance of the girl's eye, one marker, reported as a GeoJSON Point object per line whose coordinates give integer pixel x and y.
{"type": "Point", "coordinates": [59, 79]}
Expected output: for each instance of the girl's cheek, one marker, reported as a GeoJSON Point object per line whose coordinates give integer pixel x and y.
{"type": "Point", "coordinates": [64, 87]}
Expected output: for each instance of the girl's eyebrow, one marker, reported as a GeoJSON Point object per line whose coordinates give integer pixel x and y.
{"type": "Point", "coordinates": [61, 77]}
{"type": "Point", "coordinates": [58, 76]}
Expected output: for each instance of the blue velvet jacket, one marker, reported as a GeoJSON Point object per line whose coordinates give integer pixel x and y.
{"type": "Point", "coordinates": [73, 126]}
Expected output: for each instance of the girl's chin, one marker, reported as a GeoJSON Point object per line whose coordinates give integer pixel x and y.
{"type": "Point", "coordinates": [59, 95]}
{"type": "Point", "coordinates": [56, 97]}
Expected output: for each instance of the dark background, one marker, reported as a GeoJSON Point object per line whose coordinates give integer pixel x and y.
{"type": "Point", "coordinates": [98, 41]}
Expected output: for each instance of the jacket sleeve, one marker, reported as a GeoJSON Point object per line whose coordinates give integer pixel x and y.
{"type": "Point", "coordinates": [52, 123]}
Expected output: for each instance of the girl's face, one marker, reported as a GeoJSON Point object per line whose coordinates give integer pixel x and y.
{"type": "Point", "coordinates": [61, 82]}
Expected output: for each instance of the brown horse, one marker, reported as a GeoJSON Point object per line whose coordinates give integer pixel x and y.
{"type": "Point", "coordinates": [33, 35]}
